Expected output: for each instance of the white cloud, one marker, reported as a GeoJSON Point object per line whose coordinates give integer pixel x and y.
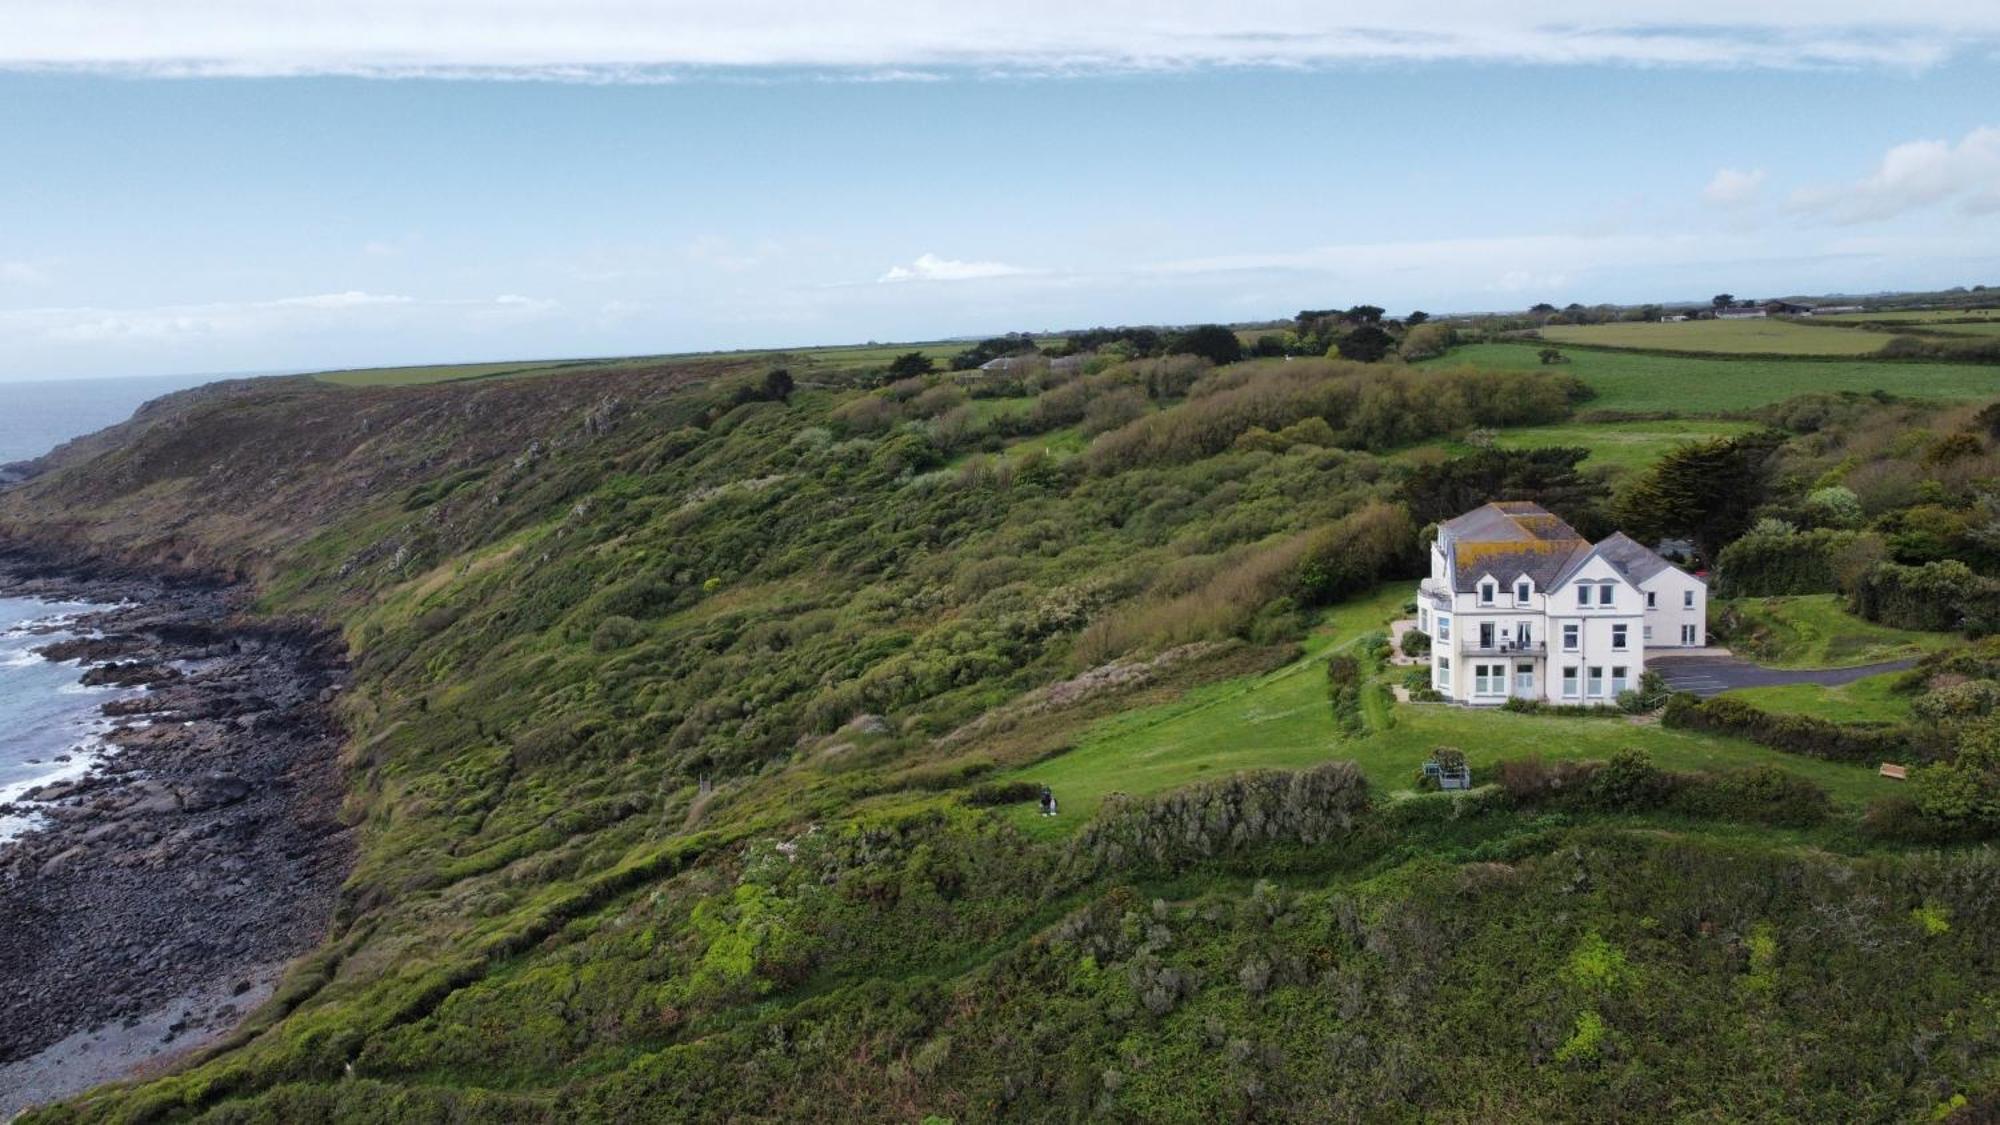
{"type": "Point", "coordinates": [663, 40]}
{"type": "Point", "coordinates": [930, 267]}
{"type": "Point", "coordinates": [1916, 175]}
{"type": "Point", "coordinates": [1731, 188]}
{"type": "Point", "coordinates": [22, 273]}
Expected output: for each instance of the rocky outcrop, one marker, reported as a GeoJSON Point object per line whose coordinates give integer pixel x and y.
{"type": "Point", "coordinates": [206, 842]}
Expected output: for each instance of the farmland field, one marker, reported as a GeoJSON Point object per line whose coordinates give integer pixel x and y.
{"type": "Point", "coordinates": [1921, 316]}
{"type": "Point", "coordinates": [857, 357]}
{"type": "Point", "coordinates": [1738, 337]}
{"type": "Point", "coordinates": [1622, 446]}
{"type": "Point", "coordinates": [1631, 381]}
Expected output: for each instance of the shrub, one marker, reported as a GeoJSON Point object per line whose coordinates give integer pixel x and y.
{"type": "Point", "coordinates": [1352, 555]}
{"type": "Point", "coordinates": [1629, 781]}
{"type": "Point", "coordinates": [1772, 561]}
{"type": "Point", "coordinates": [1344, 685]}
{"type": "Point", "coordinates": [1416, 642]}
{"type": "Point", "coordinates": [1762, 794]}
{"type": "Point", "coordinates": [614, 633]}
{"type": "Point", "coordinates": [1536, 781]}
{"type": "Point", "coordinates": [1219, 818]}
{"type": "Point", "coordinates": [1943, 596]}
{"type": "Point", "coordinates": [1867, 744]}
{"type": "Point", "coordinates": [995, 793]}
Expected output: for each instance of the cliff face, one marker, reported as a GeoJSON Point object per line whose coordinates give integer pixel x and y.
{"type": "Point", "coordinates": [224, 479]}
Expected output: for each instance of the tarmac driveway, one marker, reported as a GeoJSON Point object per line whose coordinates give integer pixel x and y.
{"type": "Point", "coordinates": [1707, 674]}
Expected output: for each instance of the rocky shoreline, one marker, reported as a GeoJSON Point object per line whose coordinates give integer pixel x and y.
{"type": "Point", "coordinates": [203, 848]}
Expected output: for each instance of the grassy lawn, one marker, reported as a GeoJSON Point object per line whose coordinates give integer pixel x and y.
{"type": "Point", "coordinates": [1693, 385]}
{"type": "Point", "coordinates": [1624, 446]}
{"type": "Point", "coordinates": [1816, 631]}
{"type": "Point", "coordinates": [1863, 701]}
{"type": "Point", "coordinates": [1772, 337]}
{"type": "Point", "coordinates": [1281, 720]}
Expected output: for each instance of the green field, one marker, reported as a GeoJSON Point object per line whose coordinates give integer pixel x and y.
{"type": "Point", "coordinates": [1863, 701]}
{"type": "Point", "coordinates": [1640, 382]}
{"type": "Point", "coordinates": [1280, 720]}
{"type": "Point", "coordinates": [1732, 337]}
{"type": "Point", "coordinates": [1816, 631]}
{"type": "Point", "coordinates": [1917, 316]}
{"type": "Point", "coordinates": [1622, 446]}
{"type": "Point", "coordinates": [856, 357]}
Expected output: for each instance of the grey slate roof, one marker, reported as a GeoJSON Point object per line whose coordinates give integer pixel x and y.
{"type": "Point", "coordinates": [1509, 538]}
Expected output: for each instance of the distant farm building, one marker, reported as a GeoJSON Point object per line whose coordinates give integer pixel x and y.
{"type": "Point", "coordinates": [1739, 312]}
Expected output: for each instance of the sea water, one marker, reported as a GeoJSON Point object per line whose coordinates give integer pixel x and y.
{"type": "Point", "coordinates": [37, 416]}
{"type": "Point", "coordinates": [46, 713]}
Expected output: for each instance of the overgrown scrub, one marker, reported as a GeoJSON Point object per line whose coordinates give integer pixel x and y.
{"type": "Point", "coordinates": [1629, 782]}
{"type": "Point", "coordinates": [1944, 596]}
{"type": "Point", "coordinates": [1365, 407]}
{"type": "Point", "coordinates": [1779, 560]}
{"type": "Point", "coordinates": [1256, 809]}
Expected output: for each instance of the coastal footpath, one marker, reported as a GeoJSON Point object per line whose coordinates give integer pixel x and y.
{"type": "Point", "coordinates": [163, 892]}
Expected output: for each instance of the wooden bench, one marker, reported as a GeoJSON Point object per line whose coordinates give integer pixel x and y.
{"type": "Point", "coordinates": [1892, 770]}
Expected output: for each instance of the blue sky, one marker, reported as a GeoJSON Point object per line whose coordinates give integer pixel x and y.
{"type": "Point", "coordinates": [305, 210]}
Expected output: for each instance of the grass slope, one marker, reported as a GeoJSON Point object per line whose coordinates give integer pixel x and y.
{"type": "Point", "coordinates": [1816, 631]}
{"type": "Point", "coordinates": [1871, 700]}
{"type": "Point", "coordinates": [1280, 719]}
{"type": "Point", "coordinates": [1637, 382]}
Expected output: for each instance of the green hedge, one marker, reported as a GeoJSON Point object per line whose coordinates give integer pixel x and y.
{"type": "Point", "coordinates": [1764, 566]}
{"type": "Point", "coordinates": [1944, 596]}
{"type": "Point", "coordinates": [1868, 744]}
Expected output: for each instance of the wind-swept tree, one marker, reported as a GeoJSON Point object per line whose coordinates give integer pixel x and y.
{"type": "Point", "coordinates": [1704, 491]}
{"type": "Point", "coordinates": [909, 365]}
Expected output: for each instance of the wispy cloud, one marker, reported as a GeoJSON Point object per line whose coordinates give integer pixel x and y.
{"type": "Point", "coordinates": [226, 321]}
{"type": "Point", "coordinates": [22, 273]}
{"type": "Point", "coordinates": [930, 267]}
{"type": "Point", "coordinates": [668, 40]}
{"type": "Point", "coordinates": [1916, 175]}
{"type": "Point", "coordinates": [1731, 188]}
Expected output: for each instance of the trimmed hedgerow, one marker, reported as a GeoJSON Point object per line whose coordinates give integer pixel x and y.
{"type": "Point", "coordinates": [1868, 744]}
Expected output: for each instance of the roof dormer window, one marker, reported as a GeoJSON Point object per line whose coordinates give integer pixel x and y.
{"type": "Point", "coordinates": [1522, 590]}
{"type": "Point", "coordinates": [1486, 593]}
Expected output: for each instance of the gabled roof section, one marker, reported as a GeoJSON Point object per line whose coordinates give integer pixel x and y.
{"type": "Point", "coordinates": [1508, 537]}
{"type": "Point", "coordinates": [1631, 559]}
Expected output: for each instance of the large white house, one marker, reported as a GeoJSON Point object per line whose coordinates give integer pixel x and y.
{"type": "Point", "coordinates": [1519, 604]}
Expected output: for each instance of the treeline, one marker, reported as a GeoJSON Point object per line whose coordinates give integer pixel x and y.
{"type": "Point", "coordinates": [1364, 408]}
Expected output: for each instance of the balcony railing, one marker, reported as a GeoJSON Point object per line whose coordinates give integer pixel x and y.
{"type": "Point", "coordinates": [1470, 646]}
